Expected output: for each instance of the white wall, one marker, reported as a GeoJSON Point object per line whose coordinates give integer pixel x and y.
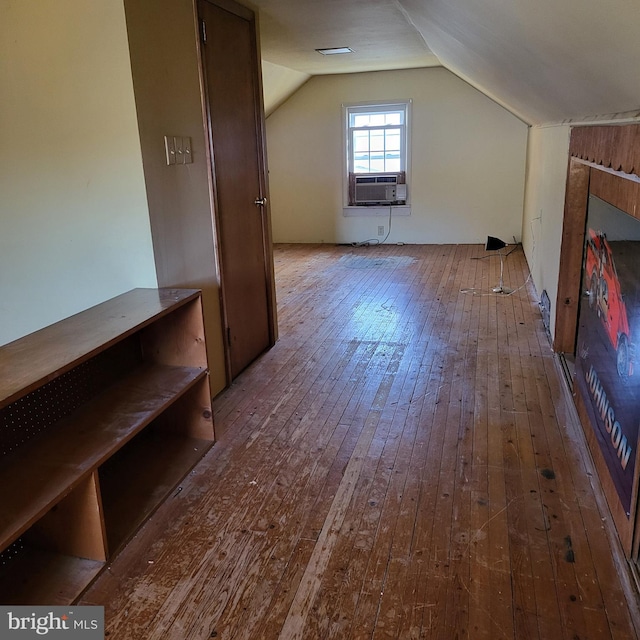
{"type": "Point", "coordinates": [468, 161]}
{"type": "Point", "coordinates": [278, 84]}
{"type": "Point", "coordinates": [547, 163]}
{"type": "Point", "coordinates": [73, 216]}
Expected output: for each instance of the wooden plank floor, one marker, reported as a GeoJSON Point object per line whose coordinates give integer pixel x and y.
{"type": "Point", "coordinates": [402, 464]}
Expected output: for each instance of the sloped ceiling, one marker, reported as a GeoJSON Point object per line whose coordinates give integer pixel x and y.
{"type": "Point", "coordinates": [546, 61]}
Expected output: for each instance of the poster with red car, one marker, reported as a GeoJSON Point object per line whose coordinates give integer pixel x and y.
{"type": "Point", "coordinates": [607, 356]}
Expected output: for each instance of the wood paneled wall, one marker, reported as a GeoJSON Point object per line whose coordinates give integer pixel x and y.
{"type": "Point", "coordinates": [621, 193]}
{"type": "Point", "coordinates": [614, 148]}
{"type": "Point", "coordinates": [604, 162]}
{"type": "Point", "coordinates": [575, 212]}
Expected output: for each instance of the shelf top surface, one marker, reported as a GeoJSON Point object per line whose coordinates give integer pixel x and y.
{"type": "Point", "coordinates": [33, 360]}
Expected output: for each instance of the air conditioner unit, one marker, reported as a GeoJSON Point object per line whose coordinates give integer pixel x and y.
{"type": "Point", "coordinates": [376, 189]}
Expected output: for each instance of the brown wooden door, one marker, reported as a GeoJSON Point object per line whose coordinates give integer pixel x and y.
{"type": "Point", "coordinates": [233, 93]}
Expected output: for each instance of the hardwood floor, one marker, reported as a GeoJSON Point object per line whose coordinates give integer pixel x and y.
{"type": "Point", "coordinates": [402, 464]}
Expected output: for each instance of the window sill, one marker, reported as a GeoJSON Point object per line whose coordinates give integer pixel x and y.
{"type": "Point", "coordinates": [378, 211]}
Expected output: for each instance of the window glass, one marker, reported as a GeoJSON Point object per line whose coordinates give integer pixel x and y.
{"type": "Point", "coordinates": [377, 140]}
{"type": "Point", "coordinates": [377, 137]}
{"type": "Point", "coordinates": [360, 141]}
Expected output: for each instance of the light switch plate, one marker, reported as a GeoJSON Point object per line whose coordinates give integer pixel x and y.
{"type": "Point", "coordinates": [170, 149]}
{"type": "Point", "coordinates": [186, 148]}
{"type": "Point", "coordinates": [177, 142]}
{"type": "Point", "coordinates": [178, 149]}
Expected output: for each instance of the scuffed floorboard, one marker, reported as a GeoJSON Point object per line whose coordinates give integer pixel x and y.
{"type": "Point", "coordinates": [402, 464]}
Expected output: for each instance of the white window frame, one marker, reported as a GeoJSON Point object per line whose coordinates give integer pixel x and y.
{"type": "Point", "coordinates": [405, 156]}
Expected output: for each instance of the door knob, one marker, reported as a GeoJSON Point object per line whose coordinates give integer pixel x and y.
{"type": "Point", "coordinates": [260, 202]}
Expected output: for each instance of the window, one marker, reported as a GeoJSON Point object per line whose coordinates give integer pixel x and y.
{"type": "Point", "coordinates": [377, 143]}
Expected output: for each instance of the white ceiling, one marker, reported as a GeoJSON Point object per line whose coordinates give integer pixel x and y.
{"type": "Point", "coordinates": [378, 31]}
{"type": "Point", "coordinates": [545, 60]}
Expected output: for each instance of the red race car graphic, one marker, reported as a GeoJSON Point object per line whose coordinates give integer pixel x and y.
{"type": "Point", "coordinates": [605, 298]}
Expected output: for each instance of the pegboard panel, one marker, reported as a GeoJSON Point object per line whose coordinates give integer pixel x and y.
{"type": "Point", "coordinates": [36, 412]}
{"type": "Point", "coordinates": [12, 552]}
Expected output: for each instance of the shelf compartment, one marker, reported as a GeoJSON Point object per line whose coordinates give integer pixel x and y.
{"type": "Point", "coordinates": [137, 479]}
{"type": "Point", "coordinates": [52, 562]}
{"type": "Point", "coordinates": [34, 478]}
{"type": "Point", "coordinates": [34, 576]}
{"type": "Point", "coordinates": [32, 361]}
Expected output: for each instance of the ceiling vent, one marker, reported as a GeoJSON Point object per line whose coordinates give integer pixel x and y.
{"type": "Point", "coordinates": [334, 51]}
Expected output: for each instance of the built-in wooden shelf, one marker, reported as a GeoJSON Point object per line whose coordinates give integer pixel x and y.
{"type": "Point", "coordinates": [101, 416]}
{"type": "Point", "coordinates": [140, 476]}
{"type": "Point", "coordinates": [35, 576]}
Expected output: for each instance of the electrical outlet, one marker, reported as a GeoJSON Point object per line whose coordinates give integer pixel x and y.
{"type": "Point", "coordinates": [380, 230]}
